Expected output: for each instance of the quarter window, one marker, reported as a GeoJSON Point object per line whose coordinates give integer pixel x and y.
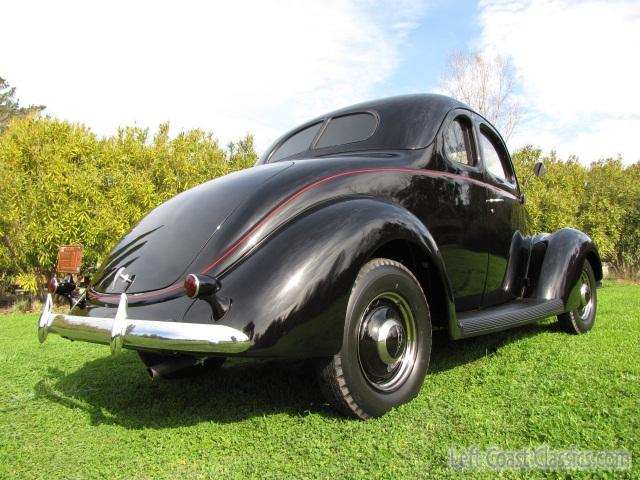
{"type": "Point", "coordinates": [347, 129]}
{"type": "Point", "coordinates": [298, 142]}
{"type": "Point", "coordinates": [495, 163]}
{"type": "Point", "coordinates": [458, 142]}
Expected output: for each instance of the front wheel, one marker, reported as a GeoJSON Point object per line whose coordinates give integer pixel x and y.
{"type": "Point", "coordinates": [386, 343]}
{"type": "Point", "coordinates": [582, 318]}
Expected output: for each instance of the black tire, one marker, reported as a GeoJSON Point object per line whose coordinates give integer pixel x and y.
{"type": "Point", "coordinates": [209, 365]}
{"type": "Point", "coordinates": [362, 380]}
{"type": "Point", "coordinates": [581, 319]}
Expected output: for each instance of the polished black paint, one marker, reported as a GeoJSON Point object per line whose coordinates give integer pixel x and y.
{"type": "Point", "coordinates": [307, 296]}
{"type": "Point", "coordinates": [286, 240]}
{"type": "Point", "coordinates": [566, 251]}
{"type": "Point", "coordinates": [407, 122]}
{"type": "Point", "coordinates": [159, 250]}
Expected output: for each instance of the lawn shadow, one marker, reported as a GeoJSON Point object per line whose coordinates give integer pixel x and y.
{"type": "Point", "coordinates": [118, 390]}
{"type": "Point", "coordinates": [447, 354]}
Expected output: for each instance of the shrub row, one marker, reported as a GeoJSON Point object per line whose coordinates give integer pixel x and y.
{"type": "Point", "coordinates": [61, 184]}
{"type": "Point", "coordinates": [602, 199]}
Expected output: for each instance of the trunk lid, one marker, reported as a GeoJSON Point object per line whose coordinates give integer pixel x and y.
{"type": "Point", "coordinates": [158, 251]}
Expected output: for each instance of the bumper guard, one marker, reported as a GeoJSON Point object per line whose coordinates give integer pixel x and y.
{"type": "Point", "coordinates": [122, 331]}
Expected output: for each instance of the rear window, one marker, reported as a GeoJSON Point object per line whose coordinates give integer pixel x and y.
{"type": "Point", "coordinates": [348, 129]}
{"type": "Point", "coordinates": [298, 142]}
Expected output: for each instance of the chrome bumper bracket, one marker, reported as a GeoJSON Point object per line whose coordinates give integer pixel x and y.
{"type": "Point", "coordinates": [43, 321]}
{"type": "Point", "coordinates": [123, 332]}
{"type": "Point", "coordinates": [119, 326]}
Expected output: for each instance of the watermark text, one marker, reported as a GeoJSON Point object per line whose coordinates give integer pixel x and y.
{"type": "Point", "coordinates": [538, 458]}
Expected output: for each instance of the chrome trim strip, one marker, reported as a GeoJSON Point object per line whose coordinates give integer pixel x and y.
{"type": "Point", "coordinates": [123, 332]}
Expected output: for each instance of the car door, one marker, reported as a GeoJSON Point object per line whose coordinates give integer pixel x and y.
{"type": "Point", "coordinates": [458, 221]}
{"type": "Point", "coordinates": [503, 209]}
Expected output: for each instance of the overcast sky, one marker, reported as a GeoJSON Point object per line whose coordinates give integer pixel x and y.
{"type": "Point", "coordinates": [241, 66]}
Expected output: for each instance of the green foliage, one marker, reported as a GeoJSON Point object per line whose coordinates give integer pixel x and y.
{"type": "Point", "coordinates": [627, 253]}
{"type": "Point", "coordinates": [602, 200]}
{"type": "Point", "coordinates": [63, 185]}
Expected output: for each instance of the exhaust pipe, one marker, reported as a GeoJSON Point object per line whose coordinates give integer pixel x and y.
{"type": "Point", "coordinates": [171, 366]}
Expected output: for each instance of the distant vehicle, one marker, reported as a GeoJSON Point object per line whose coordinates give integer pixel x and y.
{"type": "Point", "coordinates": [354, 236]}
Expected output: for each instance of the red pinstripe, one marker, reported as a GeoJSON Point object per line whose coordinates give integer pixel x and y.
{"type": "Point", "coordinates": [428, 173]}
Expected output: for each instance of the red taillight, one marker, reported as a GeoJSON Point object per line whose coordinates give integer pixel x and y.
{"type": "Point", "coordinates": [197, 286]}
{"type": "Point", "coordinates": [52, 286]}
{"type": "Point", "coordinates": [205, 287]}
{"type": "Point", "coordinates": [191, 286]}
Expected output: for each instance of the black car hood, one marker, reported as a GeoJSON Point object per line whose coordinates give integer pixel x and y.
{"type": "Point", "coordinates": [158, 251]}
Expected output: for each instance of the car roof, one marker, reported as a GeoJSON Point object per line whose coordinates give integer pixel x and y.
{"type": "Point", "coordinates": [405, 122]}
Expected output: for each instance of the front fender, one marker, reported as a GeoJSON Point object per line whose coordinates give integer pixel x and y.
{"type": "Point", "coordinates": [566, 251]}
{"type": "Point", "coordinates": [290, 294]}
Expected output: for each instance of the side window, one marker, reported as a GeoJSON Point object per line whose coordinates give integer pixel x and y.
{"type": "Point", "coordinates": [347, 129]}
{"type": "Point", "coordinates": [494, 161]}
{"type": "Point", "coordinates": [296, 143]}
{"type": "Point", "coordinates": [458, 142]}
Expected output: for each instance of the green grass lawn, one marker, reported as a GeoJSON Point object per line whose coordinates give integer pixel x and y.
{"type": "Point", "coordinates": [68, 410]}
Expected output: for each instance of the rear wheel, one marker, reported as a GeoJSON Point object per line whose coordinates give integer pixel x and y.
{"type": "Point", "coordinates": [189, 369]}
{"type": "Point", "coordinates": [581, 319]}
{"type": "Point", "coordinates": [386, 343]}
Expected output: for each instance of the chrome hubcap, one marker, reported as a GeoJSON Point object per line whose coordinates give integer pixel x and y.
{"type": "Point", "coordinates": [389, 341]}
{"type": "Point", "coordinates": [586, 297]}
{"type": "Point", "coordinates": [387, 345]}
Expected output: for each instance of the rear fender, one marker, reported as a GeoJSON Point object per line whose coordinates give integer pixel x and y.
{"type": "Point", "coordinates": [290, 294]}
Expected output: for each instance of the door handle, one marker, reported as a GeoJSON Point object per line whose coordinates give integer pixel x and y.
{"type": "Point", "coordinates": [494, 200]}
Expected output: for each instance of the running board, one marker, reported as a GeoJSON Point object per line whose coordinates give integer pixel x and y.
{"type": "Point", "coordinates": [509, 315]}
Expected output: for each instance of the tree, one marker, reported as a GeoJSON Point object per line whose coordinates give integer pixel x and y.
{"type": "Point", "coordinates": [61, 184]}
{"type": "Point", "coordinates": [486, 85]}
{"type": "Point", "coordinates": [602, 200]}
{"type": "Point", "coordinates": [10, 108]}
{"type": "Point", "coordinates": [626, 259]}
{"type": "Point", "coordinates": [553, 201]}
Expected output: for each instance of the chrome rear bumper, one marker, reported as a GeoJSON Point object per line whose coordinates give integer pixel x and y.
{"type": "Point", "coordinates": [121, 331]}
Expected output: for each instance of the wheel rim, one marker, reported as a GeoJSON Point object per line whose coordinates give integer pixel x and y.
{"type": "Point", "coordinates": [387, 344]}
{"type": "Point", "coordinates": [586, 296]}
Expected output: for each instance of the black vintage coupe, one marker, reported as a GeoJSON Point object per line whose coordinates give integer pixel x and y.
{"type": "Point", "coordinates": [353, 237]}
